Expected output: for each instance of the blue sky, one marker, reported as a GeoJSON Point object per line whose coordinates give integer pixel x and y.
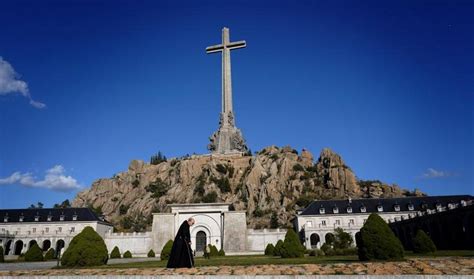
{"type": "Point", "coordinates": [386, 84]}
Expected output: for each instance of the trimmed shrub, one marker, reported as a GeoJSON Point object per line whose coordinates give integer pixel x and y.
{"type": "Point", "coordinates": [34, 254]}
{"type": "Point", "coordinates": [115, 253]}
{"type": "Point", "coordinates": [86, 249]}
{"type": "Point", "coordinates": [50, 255]}
{"type": "Point", "coordinates": [325, 248]}
{"type": "Point", "coordinates": [127, 255]}
{"type": "Point", "coordinates": [166, 251]}
{"type": "Point", "coordinates": [269, 250]}
{"type": "Point", "coordinates": [377, 241]}
{"type": "Point", "coordinates": [2, 258]}
{"type": "Point", "coordinates": [278, 247]}
{"type": "Point", "coordinates": [214, 252]}
{"type": "Point", "coordinates": [422, 243]}
{"type": "Point", "coordinates": [292, 247]}
{"type": "Point", "coordinates": [221, 252]}
{"type": "Point", "coordinates": [151, 254]}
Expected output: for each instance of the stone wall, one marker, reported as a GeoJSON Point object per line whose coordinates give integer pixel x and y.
{"type": "Point", "coordinates": [257, 240]}
{"type": "Point", "coordinates": [235, 236]}
{"type": "Point", "coordinates": [163, 230]}
{"type": "Point", "coordinates": [139, 244]}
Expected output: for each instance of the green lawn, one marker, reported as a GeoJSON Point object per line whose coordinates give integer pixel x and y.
{"type": "Point", "coordinates": [263, 260]}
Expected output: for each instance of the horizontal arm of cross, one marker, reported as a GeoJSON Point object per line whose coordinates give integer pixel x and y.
{"type": "Point", "coordinates": [218, 48]}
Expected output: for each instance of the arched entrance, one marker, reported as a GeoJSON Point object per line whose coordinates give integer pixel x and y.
{"type": "Point", "coordinates": [46, 245]}
{"type": "Point", "coordinates": [329, 238]}
{"type": "Point", "coordinates": [314, 240]}
{"type": "Point", "coordinates": [59, 246]}
{"type": "Point", "coordinates": [18, 247]}
{"type": "Point", "coordinates": [8, 247]}
{"type": "Point", "coordinates": [201, 241]}
{"type": "Point", "coordinates": [31, 243]}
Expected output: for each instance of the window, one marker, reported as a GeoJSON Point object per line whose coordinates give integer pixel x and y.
{"type": "Point", "coordinates": [351, 221]}
{"type": "Point", "coordinates": [396, 207]}
{"type": "Point", "coordinates": [60, 229]}
{"type": "Point", "coordinates": [73, 229]}
{"type": "Point", "coordinates": [50, 218]}
{"type": "Point", "coordinates": [323, 223]}
{"type": "Point", "coordinates": [335, 210]}
{"type": "Point", "coordinates": [74, 217]}
{"type": "Point", "coordinates": [363, 209]}
{"type": "Point", "coordinates": [379, 208]}
{"type": "Point", "coordinates": [411, 207]}
{"type": "Point", "coordinates": [438, 207]}
{"type": "Point", "coordinates": [61, 218]}
{"type": "Point", "coordinates": [21, 218]}
{"type": "Point", "coordinates": [349, 209]}
{"type": "Point", "coordinates": [37, 218]}
{"type": "Point", "coordinates": [34, 230]}
{"type": "Point", "coordinates": [450, 205]}
{"type": "Point", "coordinates": [463, 203]}
{"type": "Point", "coordinates": [309, 224]}
{"type": "Point", "coordinates": [5, 219]}
{"type": "Point", "coordinates": [338, 222]}
{"type": "Point", "coordinates": [321, 210]}
{"type": "Point", "coordinates": [365, 220]}
{"type": "Point", "coordinates": [46, 229]}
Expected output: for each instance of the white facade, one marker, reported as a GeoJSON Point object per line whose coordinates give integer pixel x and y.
{"type": "Point", "coordinates": [17, 237]}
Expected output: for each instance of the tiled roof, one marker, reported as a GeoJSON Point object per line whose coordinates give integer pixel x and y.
{"type": "Point", "coordinates": [387, 204]}
{"type": "Point", "coordinates": [49, 215]}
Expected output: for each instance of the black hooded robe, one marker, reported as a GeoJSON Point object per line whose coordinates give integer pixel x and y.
{"type": "Point", "coordinates": [181, 253]}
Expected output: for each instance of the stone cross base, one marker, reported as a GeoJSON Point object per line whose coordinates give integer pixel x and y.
{"type": "Point", "coordinates": [227, 140]}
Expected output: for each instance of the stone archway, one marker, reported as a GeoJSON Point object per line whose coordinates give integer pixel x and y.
{"type": "Point", "coordinates": [201, 241]}
{"type": "Point", "coordinates": [59, 246]}
{"type": "Point", "coordinates": [46, 245]}
{"type": "Point", "coordinates": [314, 240]}
{"type": "Point", "coordinates": [8, 247]}
{"type": "Point", "coordinates": [31, 243]}
{"type": "Point", "coordinates": [18, 247]}
{"type": "Point", "coordinates": [329, 238]}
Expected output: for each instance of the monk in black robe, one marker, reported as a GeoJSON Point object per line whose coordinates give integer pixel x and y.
{"type": "Point", "coordinates": [181, 253]}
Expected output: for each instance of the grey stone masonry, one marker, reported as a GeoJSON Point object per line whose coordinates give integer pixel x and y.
{"type": "Point", "coordinates": [228, 139]}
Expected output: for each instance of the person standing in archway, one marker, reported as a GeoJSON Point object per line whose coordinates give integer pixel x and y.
{"type": "Point", "coordinates": [181, 253]}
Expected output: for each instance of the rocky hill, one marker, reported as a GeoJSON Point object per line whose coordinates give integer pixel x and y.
{"type": "Point", "coordinates": [269, 186]}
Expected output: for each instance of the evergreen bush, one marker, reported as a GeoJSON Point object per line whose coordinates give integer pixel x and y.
{"type": "Point", "coordinates": [221, 252]}
{"type": "Point", "coordinates": [166, 251]}
{"type": "Point", "coordinates": [342, 239]}
{"type": "Point", "coordinates": [50, 255]}
{"type": "Point", "coordinates": [151, 254]}
{"type": "Point", "coordinates": [86, 249]}
{"type": "Point", "coordinates": [214, 252]}
{"type": "Point", "coordinates": [34, 254]}
{"type": "Point", "coordinates": [278, 247]}
{"type": "Point", "coordinates": [127, 255]}
{"type": "Point", "coordinates": [269, 250]}
{"type": "Point", "coordinates": [115, 253]}
{"type": "Point", "coordinates": [422, 243]}
{"type": "Point", "coordinates": [292, 247]}
{"type": "Point", "coordinates": [377, 241]}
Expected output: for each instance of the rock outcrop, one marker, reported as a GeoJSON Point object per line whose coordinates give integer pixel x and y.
{"type": "Point", "coordinates": [275, 181]}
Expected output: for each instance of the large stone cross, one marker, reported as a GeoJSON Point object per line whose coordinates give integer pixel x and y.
{"type": "Point", "coordinates": [225, 48]}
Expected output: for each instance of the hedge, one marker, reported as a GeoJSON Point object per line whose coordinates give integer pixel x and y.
{"type": "Point", "coordinates": [422, 243]}
{"type": "Point", "coordinates": [115, 253]}
{"type": "Point", "coordinates": [34, 254]}
{"type": "Point", "coordinates": [292, 247]}
{"type": "Point", "coordinates": [151, 254]}
{"type": "Point", "coordinates": [86, 249]}
{"type": "Point", "coordinates": [377, 241]}
{"type": "Point", "coordinates": [269, 250]}
{"type": "Point", "coordinates": [50, 254]}
{"type": "Point", "coordinates": [278, 246]}
{"type": "Point", "coordinates": [166, 251]}
{"type": "Point", "coordinates": [127, 255]}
